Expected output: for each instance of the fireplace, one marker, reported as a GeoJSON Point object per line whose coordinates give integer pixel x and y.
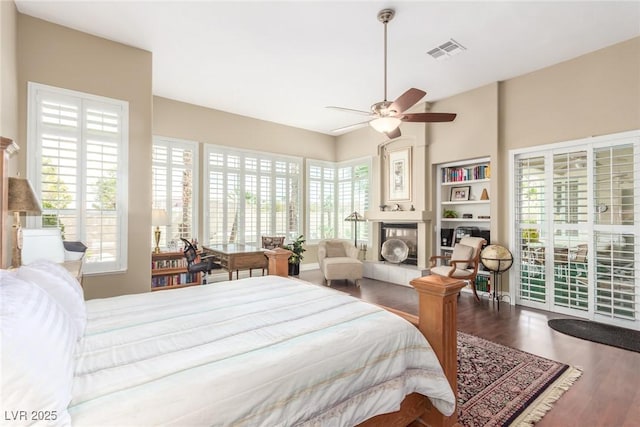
{"type": "Point", "coordinates": [405, 231]}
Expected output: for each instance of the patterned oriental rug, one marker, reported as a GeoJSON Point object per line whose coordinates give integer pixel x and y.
{"type": "Point", "coordinates": [502, 386]}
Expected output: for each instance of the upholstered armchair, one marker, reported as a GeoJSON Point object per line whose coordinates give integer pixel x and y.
{"type": "Point", "coordinates": [463, 261]}
{"type": "Point", "coordinates": [338, 260]}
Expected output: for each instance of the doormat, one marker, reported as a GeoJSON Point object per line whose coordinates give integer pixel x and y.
{"type": "Point", "coordinates": [628, 339]}
{"type": "Point", "coordinates": [502, 386]}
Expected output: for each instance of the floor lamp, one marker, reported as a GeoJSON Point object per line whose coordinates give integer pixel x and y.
{"type": "Point", "coordinates": [355, 217]}
{"type": "Point", "coordinates": [21, 198]}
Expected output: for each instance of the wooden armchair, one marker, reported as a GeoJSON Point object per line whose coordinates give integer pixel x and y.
{"type": "Point", "coordinates": [463, 261]}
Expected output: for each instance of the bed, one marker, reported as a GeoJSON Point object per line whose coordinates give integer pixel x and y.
{"type": "Point", "coordinates": [265, 351]}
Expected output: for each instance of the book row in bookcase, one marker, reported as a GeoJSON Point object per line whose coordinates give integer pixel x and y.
{"type": "Point", "coordinates": [174, 280]}
{"type": "Point", "coordinates": [169, 271]}
{"type": "Point", "coordinates": [466, 173]}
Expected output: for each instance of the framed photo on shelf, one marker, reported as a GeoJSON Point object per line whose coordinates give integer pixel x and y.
{"type": "Point", "coordinates": [459, 194]}
{"type": "Point", "coordinates": [399, 169]}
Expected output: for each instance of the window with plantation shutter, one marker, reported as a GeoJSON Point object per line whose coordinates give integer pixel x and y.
{"type": "Point", "coordinates": [175, 188]}
{"type": "Point", "coordinates": [334, 191]}
{"type": "Point", "coordinates": [77, 157]}
{"type": "Point", "coordinates": [249, 195]}
{"type": "Point", "coordinates": [321, 203]}
{"type": "Point", "coordinates": [577, 228]}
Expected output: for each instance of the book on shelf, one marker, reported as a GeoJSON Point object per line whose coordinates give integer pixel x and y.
{"type": "Point", "coordinates": [460, 174]}
{"type": "Point", "coordinates": [483, 283]}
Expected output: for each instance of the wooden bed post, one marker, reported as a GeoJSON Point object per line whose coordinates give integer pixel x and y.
{"type": "Point", "coordinates": [7, 146]}
{"type": "Point", "coordinates": [437, 313]}
{"type": "Point", "coordinates": [437, 321]}
{"type": "Point", "coordinates": [278, 264]}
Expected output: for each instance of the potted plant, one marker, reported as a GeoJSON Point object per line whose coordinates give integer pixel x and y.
{"type": "Point", "coordinates": [448, 213]}
{"type": "Point", "coordinates": [296, 257]}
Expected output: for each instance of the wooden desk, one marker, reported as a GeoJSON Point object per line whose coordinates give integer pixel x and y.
{"type": "Point", "coordinates": [235, 257]}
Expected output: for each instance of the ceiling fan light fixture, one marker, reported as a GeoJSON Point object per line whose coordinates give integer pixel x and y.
{"type": "Point", "coordinates": [385, 124]}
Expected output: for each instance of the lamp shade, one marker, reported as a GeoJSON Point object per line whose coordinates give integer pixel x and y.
{"type": "Point", "coordinates": [21, 197]}
{"type": "Point", "coordinates": [385, 124]}
{"type": "Point", "coordinates": [159, 217]}
{"type": "Point", "coordinates": [354, 216]}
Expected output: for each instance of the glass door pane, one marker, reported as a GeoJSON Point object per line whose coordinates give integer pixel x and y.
{"type": "Point", "coordinates": [530, 219]}
{"type": "Point", "coordinates": [617, 257]}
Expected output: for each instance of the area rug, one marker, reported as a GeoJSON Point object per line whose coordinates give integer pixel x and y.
{"type": "Point", "coordinates": [598, 332]}
{"type": "Point", "coordinates": [502, 386]}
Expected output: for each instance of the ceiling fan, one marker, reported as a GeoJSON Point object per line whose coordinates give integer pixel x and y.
{"type": "Point", "coordinates": [385, 115]}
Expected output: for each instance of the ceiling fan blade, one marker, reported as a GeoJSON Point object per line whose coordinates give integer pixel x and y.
{"type": "Point", "coordinates": [349, 127]}
{"type": "Point", "coordinates": [407, 100]}
{"type": "Point", "coordinates": [394, 133]}
{"type": "Point", "coordinates": [428, 117]}
{"type": "Point", "coordinates": [350, 110]}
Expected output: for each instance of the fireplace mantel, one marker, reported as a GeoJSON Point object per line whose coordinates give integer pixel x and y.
{"type": "Point", "coordinates": [398, 216]}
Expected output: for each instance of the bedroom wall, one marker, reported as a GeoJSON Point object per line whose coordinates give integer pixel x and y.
{"type": "Point", "coordinates": [187, 121]}
{"type": "Point", "coordinates": [594, 94]}
{"type": "Point", "coordinates": [177, 119]}
{"type": "Point", "coordinates": [473, 134]}
{"type": "Point", "coordinates": [58, 56]}
{"type": "Point", "coordinates": [8, 103]}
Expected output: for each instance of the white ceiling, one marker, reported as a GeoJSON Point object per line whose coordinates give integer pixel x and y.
{"type": "Point", "coordinates": [286, 61]}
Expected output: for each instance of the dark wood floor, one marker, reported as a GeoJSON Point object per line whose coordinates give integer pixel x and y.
{"type": "Point", "coordinates": [607, 394]}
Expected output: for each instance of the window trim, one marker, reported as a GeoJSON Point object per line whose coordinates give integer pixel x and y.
{"type": "Point", "coordinates": [195, 182]}
{"type": "Point", "coordinates": [34, 153]}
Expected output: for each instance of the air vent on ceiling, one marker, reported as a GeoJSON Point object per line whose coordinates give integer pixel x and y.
{"type": "Point", "coordinates": [447, 49]}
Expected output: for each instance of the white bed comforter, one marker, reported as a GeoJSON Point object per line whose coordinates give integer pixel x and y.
{"type": "Point", "coordinates": [263, 351]}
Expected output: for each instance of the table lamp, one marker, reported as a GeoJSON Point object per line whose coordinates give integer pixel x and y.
{"type": "Point", "coordinates": [21, 198]}
{"type": "Point", "coordinates": [355, 217]}
{"type": "Point", "coordinates": [159, 218]}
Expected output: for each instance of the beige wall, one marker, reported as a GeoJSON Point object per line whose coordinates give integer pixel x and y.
{"type": "Point", "coordinates": [9, 70]}
{"type": "Point", "coordinates": [594, 94]}
{"type": "Point", "coordinates": [473, 134]}
{"type": "Point", "coordinates": [58, 56]}
{"type": "Point", "coordinates": [191, 122]}
{"type": "Point", "coordinates": [8, 101]}
{"type": "Point", "coordinates": [187, 121]}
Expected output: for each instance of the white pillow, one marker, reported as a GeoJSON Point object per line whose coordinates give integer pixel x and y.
{"type": "Point", "coordinates": [461, 251]}
{"type": "Point", "coordinates": [62, 286]}
{"type": "Point", "coordinates": [38, 343]}
{"type": "Point", "coordinates": [42, 243]}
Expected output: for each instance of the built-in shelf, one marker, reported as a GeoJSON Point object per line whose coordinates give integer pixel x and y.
{"type": "Point", "coordinates": [466, 219]}
{"type": "Point", "coordinates": [474, 179]}
{"type": "Point", "coordinates": [467, 202]}
{"type": "Point", "coordinates": [470, 181]}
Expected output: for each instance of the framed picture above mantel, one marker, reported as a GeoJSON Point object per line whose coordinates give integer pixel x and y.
{"type": "Point", "coordinates": [399, 174]}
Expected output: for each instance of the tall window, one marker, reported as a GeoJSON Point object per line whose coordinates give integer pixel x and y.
{"type": "Point", "coordinates": [175, 187]}
{"type": "Point", "coordinates": [77, 157]}
{"type": "Point", "coordinates": [249, 195]}
{"type": "Point", "coordinates": [335, 190]}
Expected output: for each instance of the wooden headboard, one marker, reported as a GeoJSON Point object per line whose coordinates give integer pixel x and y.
{"type": "Point", "coordinates": [7, 146]}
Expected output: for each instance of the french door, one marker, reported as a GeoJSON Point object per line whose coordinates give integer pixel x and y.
{"type": "Point", "coordinates": [576, 236]}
